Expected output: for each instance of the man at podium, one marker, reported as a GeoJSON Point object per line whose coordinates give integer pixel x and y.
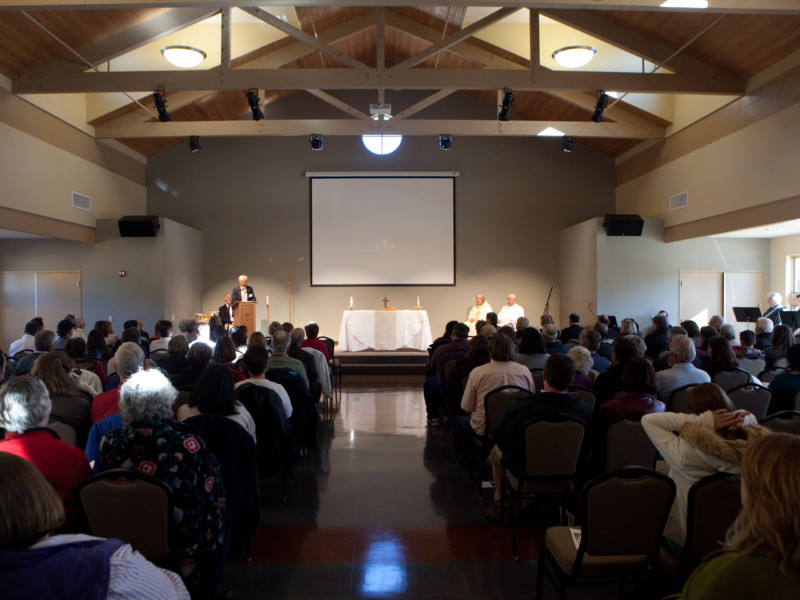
{"type": "Point", "coordinates": [243, 291]}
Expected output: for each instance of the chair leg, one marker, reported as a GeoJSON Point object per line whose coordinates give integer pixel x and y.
{"type": "Point", "coordinates": [514, 518]}
{"type": "Point", "coordinates": [540, 574]}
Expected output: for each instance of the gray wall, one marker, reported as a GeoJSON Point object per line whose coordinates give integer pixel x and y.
{"type": "Point", "coordinates": [250, 198]}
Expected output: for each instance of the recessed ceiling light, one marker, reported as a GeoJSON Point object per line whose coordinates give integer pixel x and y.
{"type": "Point", "coordinates": [573, 57]}
{"type": "Point", "coordinates": [381, 143]}
{"type": "Point", "coordinates": [550, 132]}
{"type": "Point", "coordinates": [684, 4]}
{"type": "Point", "coordinates": [184, 57]}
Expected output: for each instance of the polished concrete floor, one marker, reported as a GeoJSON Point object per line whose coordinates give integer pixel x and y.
{"type": "Point", "coordinates": [382, 510]}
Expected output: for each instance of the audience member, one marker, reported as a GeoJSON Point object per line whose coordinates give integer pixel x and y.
{"type": "Point", "coordinates": [782, 340]}
{"type": "Point", "coordinates": [281, 360]}
{"type": "Point", "coordinates": [65, 331]}
{"type": "Point", "coordinates": [590, 340]}
{"type": "Point", "coordinates": [662, 362]}
{"type": "Point", "coordinates": [639, 344]}
{"type": "Point", "coordinates": [607, 332]}
{"type": "Point", "coordinates": [573, 331]}
{"type": "Point", "coordinates": [256, 362]}
{"type": "Point", "coordinates": [522, 324]}
{"type": "Point", "coordinates": [764, 329]}
{"type": "Point", "coordinates": [609, 383]}
{"type": "Point", "coordinates": [681, 372]}
{"type": "Point", "coordinates": [164, 333]}
{"type": "Point", "coordinates": [295, 350]}
{"type": "Point", "coordinates": [130, 359]}
{"type": "Point", "coordinates": [24, 412]}
{"type": "Point", "coordinates": [457, 348]}
{"type": "Point", "coordinates": [728, 332]}
{"type": "Point", "coordinates": [197, 358]}
{"type": "Point", "coordinates": [640, 386]}
{"type": "Point", "coordinates": [710, 440]}
{"type": "Point", "coordinates": [96, 346]}
{"type": "Point", "coordinates": [706, 333]}
{"type": "Point", "coordinates": [312, 340]}
{"type": "Point", "coordinates": [720, 356]}
{"type": "Point", "coordinates": [761, 555]}
{"type": "Point", "coordinates": [88, 373]}
{"type": "Point", "coordinates": [491, 319]}
{"type": "Point", "coordinates": [692, 331]}
{"type": "Point", "coordinates": [784, 385]}
{"type": "Point", "coordinates": [225, 354]}
{"type": "Point", "coordinates": [26, 342]}
{"type": "Point", "coordinates": [629, 327]}
{"type": "Point", "coordinates": [43, 343]}
{"type": "Point", "coordinates": [605, 349]}
{"type": "Point", "coordinates": [716, 321]}
{"type": "Point", "coordinates": [747, 349]}
{"type": "Point", "coordinates": [657, 340]}
{"type": "Point", "coordinates": [551, 342]}
{"type": "Point", "coordinates": [531, 351]}
{"type": "Point", "coordinates": [582, 359]}
{"type": "Point", "coordinates": [175, 361]}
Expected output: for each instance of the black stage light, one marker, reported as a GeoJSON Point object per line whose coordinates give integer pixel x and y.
{"type": "Point", "coordinates": [602, 103]}
{"type": "Point", "coordinates": [505, 107]}
{"type": "Point", "coordinates": [566, 143]}
{"type": "Point", "coordinates": [316, 141]}
{"type": "Point", "coordinates": [445, 141]}
{"type": "Point", "coordinates": [160, 99]}
{"type": "Point", "coordinates": [194, 143]}
{"type": "Point", "coordinates": [252, 100]}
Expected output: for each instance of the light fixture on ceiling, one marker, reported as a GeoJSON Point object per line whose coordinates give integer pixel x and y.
{"type": "Point", "coordinates": [381, 143]}
{"type": "Point", "coordinates": [380, 112]}
{"type": "Point", "coordinates": [160, 99]}
{"type": "Point", "coordinates": [184, 57]}
{"type": "Point", "coordinates": [602, 103]}
{"type": "Point", "coordinates": [194, 143]}
{"type": "Point", "coordinates": [505, 106]}
{"type": "Point", "coordinates": [252, 100]}
{"type": "Point", "coordinates": [316, 141]}
{"type": "Point", "coordinates": [445, 141]}
{"type": "Point", "coordinates": [684, 4]}
{"type": "Point", "coordinates": [567, 143]}
{"type": "Point", "coordinates": [573, 57]}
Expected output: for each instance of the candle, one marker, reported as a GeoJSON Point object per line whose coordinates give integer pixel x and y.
{"type": "Point", "coordinates": [351, 302]}
{"type": "Point", "coordinates": [267, 300]}
{"type": "Point", "coordinates": [417, 300]}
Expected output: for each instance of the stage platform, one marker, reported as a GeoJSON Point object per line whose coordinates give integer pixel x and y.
{"type": "Point", "coordinates": [380, 363]}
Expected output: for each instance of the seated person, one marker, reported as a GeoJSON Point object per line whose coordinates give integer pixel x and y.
{"type": "Point", "coordinates": [551, 342]}
{"type": "Point", "coordinates": [692, 331]}
{"type": "Point", "coordinates": [763, 330]}
{"type": "Point", "coordinates": [152, 443]}
{"type": "Point", "coordinates": [681, 372]}
{"type": "Point", "coordinates": [312, 340]}
{"type": "Point", "coordinates": [747, 349]}
{"type": "Point", "coordinates": [24, 413]}
{"type": "Point", "coordinates": [175, 361]}
{"type": "Point", "coordinates": [590, 340]}
{"type": "Point", "coordinates": [477, 313]}
{"type": "Point", "coordinates": [164, 332]}
{"type": "Point", "coordinates": [90, 372]}
{"type": "Point", "coordinates": [34, 563]}
{"type": "Point", "coordinates": [26, 342]}
{"type": "Point", "coordinates": [512, 311]}
{"type": "Point", "coordinates": [280, 358]}
{"type": "Point", "coordinates": [782, 340]}
{"type": "Point", "coordinates": [197, 359]}
{"type": "Point", "coordinates": [130, 358]}
{"type": "Point", "coordinates": [784, 385]}
{"type": "Point", "coordinates": [532, 352]}
{"type": "Point", "coordinates": [657, 340]}
{"type": "Point", "coordinates": [760, 556]}
{"type": "Point", "coordinates": [710, 440]}
{"type": "Point", "coordinates": [609, 383]}
{"type": "Point", "coordinates": [728, 331]}
{"type": "Point", "coordinates": [225, 354]}
{"type": "Point", "coordinates": [720, 357]}
{"type": "Point", "coordinates": [640, 386]}
{"type": "Point", "coordinates": [256, 362]}
{"type": "Point", "coordinates": [582, 359]}
{"type": "Point", "coordinates": [573, 330]}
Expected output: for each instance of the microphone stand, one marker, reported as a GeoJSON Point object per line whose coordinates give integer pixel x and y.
{"type": "Point", "coordinates": [547, 304]}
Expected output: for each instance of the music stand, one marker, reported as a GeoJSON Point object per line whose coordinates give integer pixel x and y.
{"type": "Point", "coordinates": [747, 314]}
{"type": "Point", "coordinates": [612, 322]}
{"type": "Point", "coordinates": [790, 318]}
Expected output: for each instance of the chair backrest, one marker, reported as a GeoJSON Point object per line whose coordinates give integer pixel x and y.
{"type": "Point", "coordinates": [448, 368]}
{"type": "Point", "coordinates": [754, 365]}
{"type": "Point", "coordinates": [767, 376]}
{"type": "Point", "coordinates": [584, 394]}
{"type": "Point", "coordinates": [553, 447]}
{"type": "Point", "coordinates": [731, 378]}
{"type": "Point", "coordinates": [129, 506]}
{"type": "Point", "coordinates": [64, 431]}
{"type": "Point", "coordinates": [329, 344]}
{"type": "Point", "coordinates": [713, 504]}
{"type": "Point", "coordinates": [627, 444]}
{"type": "Point", "coordinates": [158, 355]}
{"type": "Point", "coordinates": [538, 379]}
{"type": "Point", "coordinates": [679, 399]}
{"type": "Point", "coordinates": [625, 513]}
{"type": "Point", "coordinates": [497, 402]}
{"type": "Point", "coordinates": [782, 362]}
{"type": "Point", "coordinates": [753, 397]}
{"type": "Point", "coordinates": [787, 421]}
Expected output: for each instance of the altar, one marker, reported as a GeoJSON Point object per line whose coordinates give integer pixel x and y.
{"type": "Point", "coordinates": [384, 330]}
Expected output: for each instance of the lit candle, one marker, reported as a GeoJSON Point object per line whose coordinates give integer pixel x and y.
{"type": "Point", "coordinates": [351, 302]}
{"type": "Point", "coordinates": [417, 300]}
{"type": "Point", "coordinates": [267, 300]}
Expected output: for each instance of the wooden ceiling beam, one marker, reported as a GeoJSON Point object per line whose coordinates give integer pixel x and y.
{"type": "Point", "coordinates": [716, 6]}
{"type": "Point", "coordinates": [433, 79]}
{"type": "Point", "coordinates": [454, 39]}
{"type": "Point", "coordinates": [296, 127]}
{"type": "Point", "coordinates": [425, 103]}
{"type": "Point", "coordinates": [340, 104]}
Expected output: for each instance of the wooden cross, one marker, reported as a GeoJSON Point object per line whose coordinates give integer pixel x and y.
{"type": "Point", "coordinates": [289, 279]}
{"type": "Point", "coordinates": [385, 301]}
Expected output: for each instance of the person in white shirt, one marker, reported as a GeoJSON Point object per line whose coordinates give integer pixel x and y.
{"type": "Point", "coordinates": [164, 331]}
{"type": "Point", "coordinates": [26, 342]}
{"type": "Point", "coordinates": [512, 311]}
{"type": "Point", "coordinates": [256, 362]}
{"type": "Point", "coordinates": [478, 313]}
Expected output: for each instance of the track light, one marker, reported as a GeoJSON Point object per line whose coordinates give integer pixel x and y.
{"type": "Point", "coordinates": [602, 103]}
{"type": "Point", "coordinates": [252, 100]}
{"type": "Point", "coordinates": [505, 107]}
{"type": "Point", "coordinates": [445, 141]}
{"type": "Point", "coordinates": [566, 143]}
{"type": "Point", "coordinates": [160, 99]}
{"type": "Point", "coordinates": [194, 143]}
{"type": "Point", "coordinates": [316, 141]}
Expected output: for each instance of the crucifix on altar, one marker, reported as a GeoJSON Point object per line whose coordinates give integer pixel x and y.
{"type": "Point", "coordinates": [385, 301]}
{"type": "Point", "coordinates": [289, 279]}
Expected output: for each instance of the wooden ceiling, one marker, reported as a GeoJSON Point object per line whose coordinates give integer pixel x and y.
{"type": "Point", "coordinates": [45, 48]}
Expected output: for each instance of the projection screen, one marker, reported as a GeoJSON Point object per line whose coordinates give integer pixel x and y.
{"type": "Point", "coordinates": [387, 230]}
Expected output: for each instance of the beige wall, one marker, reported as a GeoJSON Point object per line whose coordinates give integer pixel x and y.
{"type": "Point", "coordinates": [577, 259]}
{"type": "Point", "coordinates": [781, 280]}
{"type": "Point", "coordinates": [752, 166]}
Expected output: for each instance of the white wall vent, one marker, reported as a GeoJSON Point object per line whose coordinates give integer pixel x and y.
{"type": "Point", "coordinates": [679, 201]}
{"type": "Point", "coordinates": [82, 202]}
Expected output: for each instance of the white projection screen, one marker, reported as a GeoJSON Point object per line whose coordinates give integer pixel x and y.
{"type": "Point", "coordinates": [386, 230]}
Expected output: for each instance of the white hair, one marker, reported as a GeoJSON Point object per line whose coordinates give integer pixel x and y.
{"type": "Point", "coordinates": [582, 358]}
{"type": "Point", "coordinates": [130, 358]}
{"type": "Point", "coordinates": [24, 404]}
{"type": "Point", "coordinates": [766, 324]}
{"type": "Point", "coordinates": [778, 298]}
{"type": "Point", "coordinates": [146, 396]}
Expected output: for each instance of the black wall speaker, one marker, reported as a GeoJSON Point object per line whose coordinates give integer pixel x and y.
{"type": "Point", "coordinates": [138, 226]}
{"type": "Point", "coordinates": [623, 224]}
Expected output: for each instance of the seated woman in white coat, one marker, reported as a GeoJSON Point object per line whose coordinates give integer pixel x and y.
{"type": "Point", "coordinates": [709, 441]}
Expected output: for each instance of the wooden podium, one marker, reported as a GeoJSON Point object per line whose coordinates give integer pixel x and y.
{"type": "Point", "coordinates": [244, 313]}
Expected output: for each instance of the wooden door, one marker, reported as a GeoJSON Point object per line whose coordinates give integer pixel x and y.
{"type": "Point", "coordinates": [18, 297]}
{"type": "Point", "coordinates": [701, 295]}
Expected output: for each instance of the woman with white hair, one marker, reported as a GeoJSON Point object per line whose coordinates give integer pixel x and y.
{"type": "Point", "coordinates": [24, 412]}
{"type": "Point", "coordinates": [151, 442]}
{"type": "Point", "coordinates": [584, 376]}
{"type": "Point", "coordinates": [34, 563]}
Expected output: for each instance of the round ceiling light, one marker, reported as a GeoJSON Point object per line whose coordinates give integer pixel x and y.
{"type": "Point", "coordinates": [184, 57]}
{"type": "Point", "coordinates": [381, 143]}
{"type": "Point", "coordinates": [573, 57]}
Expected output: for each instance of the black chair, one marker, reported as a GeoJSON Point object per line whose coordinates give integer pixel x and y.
{"type": "Point", "coordinates": [752, 397]}
{"type": "Point", "coordinates": [627, 444]}
{"type": "Point", "coordinates": [731, 378]}
{"type": "Point", "coordinates": [583, 393]}
{"type": "Point", "coordinates": [768, 375]}
{"type": "Point", "coordinates": [616, 542]}
{"type": "Point", "coordinates": [678, 399]}
{"type": "Point", "coordinates": [787, 421]}
{"type": "Point", "coordinates": [335, 368]}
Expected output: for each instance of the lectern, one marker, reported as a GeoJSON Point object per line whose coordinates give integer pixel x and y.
{"type": "Point", "coordinates": [244, 313]}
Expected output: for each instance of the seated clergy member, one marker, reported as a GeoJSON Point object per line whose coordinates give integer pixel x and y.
{"type": "Point", "coordinates": [243, 291]}
{"type": "Point", "coordinates": [512, 311]}
{"type": "Point", "coordinates": [681, 372]}
{"type": "Point", "coordinates": [502, 370]}
{"type": "Point", "coordinates": [509, 451]}
{"type": "Point", "coordinates": [478, 313]}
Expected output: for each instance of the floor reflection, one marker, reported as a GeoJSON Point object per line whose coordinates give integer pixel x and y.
{"type": "Point", "coordinates": [391, 412]}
